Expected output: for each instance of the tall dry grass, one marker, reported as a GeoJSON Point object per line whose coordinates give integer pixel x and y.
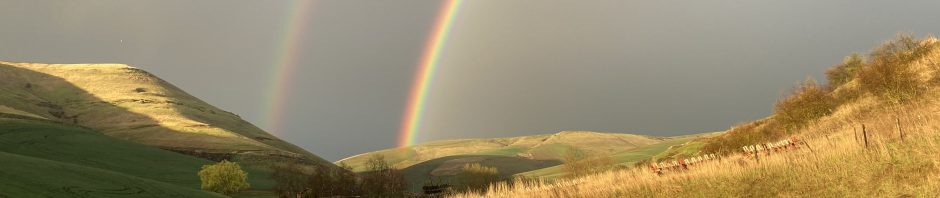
{"type": "Point", "coordinates": [841, 165]}
{"type": "Point", "coordinates": [835, 162]}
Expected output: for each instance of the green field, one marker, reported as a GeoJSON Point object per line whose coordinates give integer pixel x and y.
{"type": "Point", "coordinates": [623, 158]}
{"type": "Point", "coordinates": [45, 178]}
{"type": "Point", "coordinates": [44, 158]}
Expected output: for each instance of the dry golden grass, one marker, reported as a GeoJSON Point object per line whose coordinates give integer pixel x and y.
{"type": "Point", "coordinates": [132, 104]}
{"type": "Point", "coordinates": [839, 167]}
{"type": "Point", "coordinates": [836, 162]}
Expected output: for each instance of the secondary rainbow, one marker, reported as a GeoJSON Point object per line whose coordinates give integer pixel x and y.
{"type": "Point", "coordinates": [285, 64]}
{"type": "Point", "coordinates": [424, 76]}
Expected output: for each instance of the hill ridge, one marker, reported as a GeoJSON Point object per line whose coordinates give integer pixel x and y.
{"type": "Point", "coordinates": [130, 103]}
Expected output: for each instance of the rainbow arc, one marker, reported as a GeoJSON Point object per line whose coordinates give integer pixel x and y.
{"type": "Point", "coordinates": [424, 77]}
{"type": "Point", "coordinates": [286, 64]}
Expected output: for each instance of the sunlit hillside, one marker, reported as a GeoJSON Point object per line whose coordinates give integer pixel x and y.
{"type": "Point", "coordinates": [537, 156]}
{"type": "Point", "coordinates": [872, 133]}
{"type": "Point", "coordinates": [536, 147]}
{"type": "Point", "coordinates": [132, 104]}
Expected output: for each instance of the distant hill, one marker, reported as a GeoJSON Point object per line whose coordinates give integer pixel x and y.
{"type": "Point", "coordinates": [535, 147]}
{"type": "Point", "coordinates": [131, 104]}
{"type": "Point", "coordinates": [529, 156]}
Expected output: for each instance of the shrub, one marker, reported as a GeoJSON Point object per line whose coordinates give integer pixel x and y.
{"type": "Point", "coordinates": [744, 134]}
{"type": "Point", "coordinates": [890, 75]}
{"type": "Point", "coordinates": [807, 103]}
{"type": "Point", "coordinates": [845, 72]}
{"type": "Point", "coordinates": [224, 177]}
{"type": "Point", "coordinates": [576, 164]}
{"type": "Point", "coordinates": [476, 177]}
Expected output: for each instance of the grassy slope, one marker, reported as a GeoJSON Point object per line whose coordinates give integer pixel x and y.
{"type": "Point", "coordinates": [131, 104]}
{"type": "Point", "coordinates": [36, 177]}
{"type": "Point", "coordinates": [530, 156]}
{"type": "Point", "coordinates": [627, 158]}
{"type": "Point", "coordinates": [536, 147]}
{"type": "Point", "coordinates": [507, 165]}
{"type": "Point", "coordinates": [836, 162]}
{"type": "Point", "coordinates": [44, 158]}
{"type": "Point", "coordinates": [86, 147]}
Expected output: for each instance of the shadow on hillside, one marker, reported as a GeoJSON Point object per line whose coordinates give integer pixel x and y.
{"type": "Point", "coordinates": [61, 101]}
{"type": "Point", "coordinates": [418, 174]}
{"type": "Point", "coordinates": [212, 118]}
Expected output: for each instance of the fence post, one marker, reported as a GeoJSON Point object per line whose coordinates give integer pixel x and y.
{"type": "Point", "coordinates": [898, 122]}
{"type": "Point", "coordinates": [855, 134]}
{"type": "Point", "coordinates": [865, 135]}
{"type": "Point", "coordinates": [813, 152]}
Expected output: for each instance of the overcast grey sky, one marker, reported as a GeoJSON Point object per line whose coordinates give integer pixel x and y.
{"type": "Point", "coordinates": [511, 67]}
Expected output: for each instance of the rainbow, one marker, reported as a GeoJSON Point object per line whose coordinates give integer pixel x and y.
{"type": "Point", "coordinates": [285, 64]}
{"type": "Point", "coordinates": [411, 120]}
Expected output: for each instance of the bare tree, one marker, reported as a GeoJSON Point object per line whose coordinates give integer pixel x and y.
{"type": "Point", "coordinates": [291, 180]}
{"type": "Point", "coordinates": [382, 180]}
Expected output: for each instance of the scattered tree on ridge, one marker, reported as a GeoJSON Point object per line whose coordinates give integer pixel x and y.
{"type": "Point", "coordinates": [845, 72]}
{"type": "Point", "coordinates": [807, 103]}
{"type": "Point", "coordinates": [891, 74]}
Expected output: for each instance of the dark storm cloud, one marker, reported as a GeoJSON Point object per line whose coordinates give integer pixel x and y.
{"type": "Point", "coordinates": [511, 67]}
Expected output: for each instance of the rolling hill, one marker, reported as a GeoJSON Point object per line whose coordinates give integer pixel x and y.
{"type": "Point", "coordinates": [131, 104]}
{"type": "Point", "coordinates": [536, 156]}
{"type": "Point", "coordinates": [536, 147]}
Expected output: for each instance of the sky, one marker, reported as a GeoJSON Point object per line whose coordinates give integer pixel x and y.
{"type": "Point", "coordinates": [507, 68]}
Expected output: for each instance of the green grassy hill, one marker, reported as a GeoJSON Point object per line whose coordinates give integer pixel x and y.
{"type": "Point", "coordinates": [36, 177]}
{"type": "Point", "coordinates": [131, 104]}
{"type": "Point", "coordinates": [46, 158]}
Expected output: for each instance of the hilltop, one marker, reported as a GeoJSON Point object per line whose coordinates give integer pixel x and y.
{"type": "Point", "coordinates": [112, 130]}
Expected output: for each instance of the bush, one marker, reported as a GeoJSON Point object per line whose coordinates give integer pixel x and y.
{"type": "Point", "coordinates": [845, 72]}
{"type": "Point", "coordinates": [224, 177]}
{"type": "Point", "coordinates": [807, 103]}
{"type": "Point", "coordinates": [743, 135]}
{"type": "Point", "coordinates": [890, 75]}
{"type": "Point", "coordinates": [577, 164]}
{"type": "Point", "coordinates": [476, 177]}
